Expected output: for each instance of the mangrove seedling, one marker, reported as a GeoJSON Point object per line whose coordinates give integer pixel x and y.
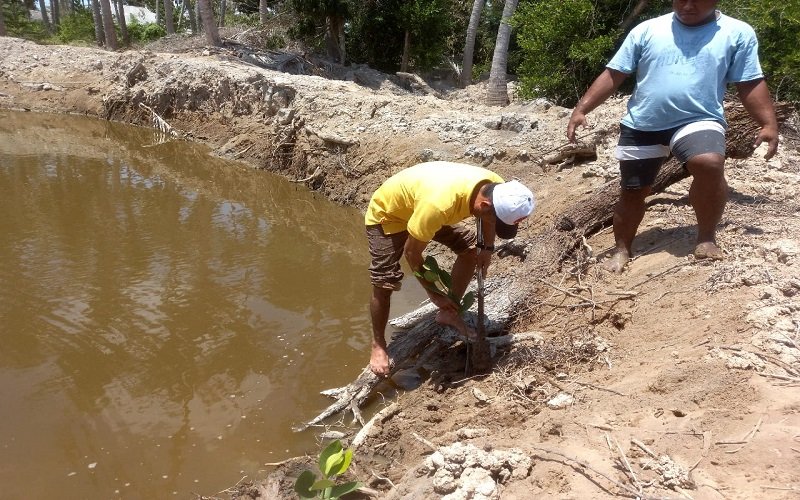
{"type": "Point", "coordinates": [439, 281]}
{"type": "Point", "coordinates": [333, 461]}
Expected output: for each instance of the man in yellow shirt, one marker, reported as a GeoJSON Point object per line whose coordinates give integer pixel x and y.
{"type": "Point", "coordinates": [426, 202]}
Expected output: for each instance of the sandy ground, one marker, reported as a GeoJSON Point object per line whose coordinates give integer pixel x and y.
{"type": "Point", "coordinates": [696, 361]}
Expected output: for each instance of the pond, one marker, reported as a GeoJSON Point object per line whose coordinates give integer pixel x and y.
{"type": "Point", "coordinates": [165, 316]}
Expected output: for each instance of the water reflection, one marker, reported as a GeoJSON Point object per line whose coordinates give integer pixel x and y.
{"type": "Point", "coordinates": [165, 317]}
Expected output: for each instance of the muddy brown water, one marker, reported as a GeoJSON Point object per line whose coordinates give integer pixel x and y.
{"type": "Point", "coordinates": [165, 316]}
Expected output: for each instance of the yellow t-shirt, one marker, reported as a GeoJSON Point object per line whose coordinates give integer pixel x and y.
{"type": "Point", "coordinates": [423, 198]}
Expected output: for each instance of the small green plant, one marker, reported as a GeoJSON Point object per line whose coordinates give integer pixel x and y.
{"type": "Point", "coordinates": [441, 282]}
{"type": "Point", "coordinates": [333, 461]}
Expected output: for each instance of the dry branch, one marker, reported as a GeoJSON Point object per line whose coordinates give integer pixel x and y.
{"type": "Point", "coordinates": [382, 415]}
{"type": "Point", "coordinates": [417, 81]}
{"type": "Point", "coordinates": [625, 487]}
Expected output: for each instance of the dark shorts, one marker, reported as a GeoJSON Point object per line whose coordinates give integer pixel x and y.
{"type": "Point", "coordinates": [641, 154]}
{"type": "Point", "coordinates": [386, 251]}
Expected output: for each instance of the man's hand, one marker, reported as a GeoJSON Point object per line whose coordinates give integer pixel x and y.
{"type": "Point", "coordinates": [442, 302]}
{"type": "Point", "coordinates": [603, 86]}
{"type": "Point", "coordinates": [769, 135]}
{"type": "Point", "coordinates": [577, 119]}
{"type": "Point", "coordinates": [757, 101]}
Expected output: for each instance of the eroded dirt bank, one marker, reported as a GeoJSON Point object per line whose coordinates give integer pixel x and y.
{"type": "Point", "coordinates": [697, 361]}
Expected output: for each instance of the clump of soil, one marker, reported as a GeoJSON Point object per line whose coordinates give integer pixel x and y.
{"type": "Point", "coordinates": [696, 360]}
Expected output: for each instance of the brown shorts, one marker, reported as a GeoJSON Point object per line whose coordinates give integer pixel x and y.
{"type": "Point", "coordinates": [387, 250]}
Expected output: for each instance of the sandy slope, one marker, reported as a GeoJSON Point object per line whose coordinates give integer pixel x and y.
{"type": "Point", "coordinates": [657, 354]}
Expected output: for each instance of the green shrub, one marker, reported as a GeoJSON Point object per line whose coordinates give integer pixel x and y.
{"type": "Point", "coordinates": [146, 32]}
{"type": "Point", "coordinates": [76, 27]}
{"type": "Point", "coordinates": [777, 25]}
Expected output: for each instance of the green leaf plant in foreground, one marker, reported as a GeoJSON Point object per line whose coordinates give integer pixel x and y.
{"type": "Point", "coordinates": [439, 281]}
{"type": "Point", "coordinates": [333, 461]}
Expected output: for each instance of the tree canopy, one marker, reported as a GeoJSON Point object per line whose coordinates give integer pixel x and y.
{"type": "Point", "coordinates": [555, 51]}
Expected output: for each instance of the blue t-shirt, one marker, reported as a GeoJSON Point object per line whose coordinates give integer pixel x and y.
{"type": "Point", "coordinates": [682, 71]}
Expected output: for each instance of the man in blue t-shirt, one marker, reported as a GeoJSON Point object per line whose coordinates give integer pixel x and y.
{"type": "Point", "coordinates": [683, 62]}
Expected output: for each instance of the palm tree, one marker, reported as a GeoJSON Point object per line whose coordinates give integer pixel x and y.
{"type": "Point", "coordinates": [123, 25]}
{"type": "Point", "coordinates": [498, 86]}
{"type": "Point", "coordinates": [334, 13]}
{"type": "Point", "coordinates": [192, 17]}
{"type": "Point", "coordinates": [469, 47]}
{"type": "Point", "coordinates": [223, 6]}
{"type": "Point", "coordinates": [263, 11]}
{"type": "Point", "coordinates": [108, 25]}
{"type": "Point", "coordinates": [2, 23]}
{"type": "Point", "coordinates": [45, 19]}
{"type": "Point", "coordinates": [56, 10]}
{"type": "Point", "coordinates": [98, 23]}
{"type": "Point", "coordinates": [209, 26]}
{"type": "Point", "coordinates": [169, 17]}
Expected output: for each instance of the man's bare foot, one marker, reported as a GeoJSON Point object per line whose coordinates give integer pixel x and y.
{"type": "Point", "coordinates": [617, 261]}
{"type": "Point", "coordinates": [451, 318]}
{"type": "Point", "coordinates": [708, 250]}
{"type": "Point", "coordinates": [379, 361]}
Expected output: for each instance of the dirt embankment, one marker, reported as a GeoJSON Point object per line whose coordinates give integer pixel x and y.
{"type": "Point", "coordinates": [696, 361]}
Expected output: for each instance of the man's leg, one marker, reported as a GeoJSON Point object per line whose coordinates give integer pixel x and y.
{"type": "Point", "coordinates": [708, 196]}
{"type": "Point", "coordinates": [385, 275]}
{"type": "Point", "coordinates": [640, 155]}
{"type": "Point", "coordinates": [701, 147]}
{"type": "Point", "coordinates": [628, 214]}
{"type": "Point", "coordinates": [463, 270]}
{"type": "Point", "coordinates": [461, 240]}
{"type": "Point", "coordinates": [379, 312]}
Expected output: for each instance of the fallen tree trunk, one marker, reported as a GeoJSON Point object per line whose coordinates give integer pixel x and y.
{"type": "Point", "coordinates": [543, 255]}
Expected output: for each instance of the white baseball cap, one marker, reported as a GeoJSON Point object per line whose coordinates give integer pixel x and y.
{"type": "Point", "coordinates": [512, 202]}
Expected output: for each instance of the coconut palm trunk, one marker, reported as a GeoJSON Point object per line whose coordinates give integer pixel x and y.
{"type": "Point", "coordinates": [223, 6]}
{"type": "Point", "coordinates": [55, 8]}
{"type": "Point", "coordinates": [198, 17]}
{"type": "Point", "coordinates": [498, 85]}
{"type": "Point", "coordinates": [169, 17]}
{"type": "Point", "coordinates": [263, 11]}
{"type": "Point", "coordinates": [334, 37]}
{"type": "Point", "coordinates": [406, 52]}
{"type": "Point", "coordinates": [45, 18]}
{"type": "Point", "coordinates": [209, 26]}
{"type": "Point", "coordinates": [192, 18]}
{"type": "Point", "coordinates": [108, 25]}
{"type": "Point", "coordinates": [123, 24]}
{"type": "Point", "coordinates": [99, 34]}
{"type": "Point", "coordinates": [469, 46]}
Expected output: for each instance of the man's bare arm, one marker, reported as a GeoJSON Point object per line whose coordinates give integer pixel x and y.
{"type": "Point", "coordinates": [758, 103]}
{"type": "Point", "coordinates": [604, 85]}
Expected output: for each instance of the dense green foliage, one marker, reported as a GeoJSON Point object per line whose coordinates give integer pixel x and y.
{"type": "Point", "coordinates": [76, 27]}
{"type": "Point", "coordinates": [19, 24]}
{"type": "Point", "coordinates": [145, 32]}
{"type": "Point", "coordinates": [556, 51]}
{"type": "Point", "coordinates": [777, 25]}
{"type": "Point", "coordinates": [565, 44]}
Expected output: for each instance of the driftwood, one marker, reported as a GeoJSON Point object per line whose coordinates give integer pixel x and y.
{"type": "Point", "coordinates": [417, 82]}
{"type": "Point", "coordinates": [543, 254]}
{"type": "Point", "coordinates": [331, 138]}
